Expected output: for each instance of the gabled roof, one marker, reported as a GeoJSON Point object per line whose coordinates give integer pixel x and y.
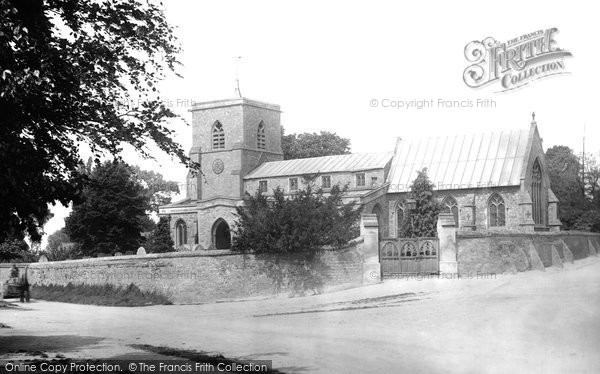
{"type": "Point", "coordinates": [327, 164]}
{"type": "Point", "coordinates": [461, 161]}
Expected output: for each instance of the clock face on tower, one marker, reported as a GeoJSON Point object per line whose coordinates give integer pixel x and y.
{"type": "Point", "coordinates": [218, 166]}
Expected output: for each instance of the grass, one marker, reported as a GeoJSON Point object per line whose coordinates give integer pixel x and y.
{"type": "Point", "coordinates": [192, 355]}
{"type": "Point", "coordinates": [98, 295]}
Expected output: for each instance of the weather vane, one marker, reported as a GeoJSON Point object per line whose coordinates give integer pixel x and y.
{"type": "Point", "coordinates": [238, 92]}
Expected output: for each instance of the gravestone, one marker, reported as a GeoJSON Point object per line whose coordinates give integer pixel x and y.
{"type": "Point", "coordinates": [118, 254]}
{"type": "Point", "coordinates": [43, 258]}
{"type": "Point", "coordinates": [141, 251]}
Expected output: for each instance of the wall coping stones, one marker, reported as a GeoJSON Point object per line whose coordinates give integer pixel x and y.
{"type": "Point", "coordinates": [486, 234]}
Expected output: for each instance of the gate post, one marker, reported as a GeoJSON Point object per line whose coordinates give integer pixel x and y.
{"type": "Point", "coordinates": [369, 231]}
{"type": "Point", "coordinates": [446, 231]}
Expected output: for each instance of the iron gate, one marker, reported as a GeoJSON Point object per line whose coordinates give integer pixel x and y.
{"type": "Point", "coordinates": [409, 256]}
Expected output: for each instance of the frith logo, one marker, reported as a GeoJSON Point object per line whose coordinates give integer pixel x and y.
{"type": "Point", "coordinates": [516, 62]}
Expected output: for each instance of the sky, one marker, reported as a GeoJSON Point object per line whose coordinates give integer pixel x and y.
{"type": "Point", "coordinates": [339, 66]}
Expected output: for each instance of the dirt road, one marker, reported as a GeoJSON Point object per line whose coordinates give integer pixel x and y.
{"type": "Point", "coordinates": [528, 322]}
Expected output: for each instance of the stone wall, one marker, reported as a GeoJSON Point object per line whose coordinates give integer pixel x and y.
{"type": "Point", "coordinates": [193, 277]}
{"type": "Point", "coordinates": [495, 252]}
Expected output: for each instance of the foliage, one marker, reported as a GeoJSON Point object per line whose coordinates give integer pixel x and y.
{"type": "Point", "coordinates": [588, 221]}
{"type": "Point", "coordinates": [313, 145]}
{"type": "Point", "coordinates": [157, 189]}
{"type": "Point", "coordinates": [160, 240]}
{"type": "Point", "coordinates": [16, 250]}
{"type": "Point", "coordinates": [422, 221]}
{"type": "Point", "coordinates": [105, 294]}
{"type": "Point", "coordinates": [73, 73]}
{"type": "Point", "coordinates": [55, 239]}
{"type": "Point", "coordinates": [65, 251]}
{"type": "Point", "coordinates": [578, 193]}
{"type": "Point", "coordinates": [288, 233]}
{"type": "Point", "coordinates": [564, 171]}
{"type": "Point", "coordinates": [112, 211]}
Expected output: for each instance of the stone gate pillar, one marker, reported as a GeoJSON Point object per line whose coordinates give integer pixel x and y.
{"type": "Point", "coordinates": [446, 231]}
{"type": "Point", "coordinates": [369, 231]}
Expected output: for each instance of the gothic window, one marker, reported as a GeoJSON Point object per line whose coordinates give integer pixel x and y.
{"type": "Point", "coordinates": [262, 186]}
{"type": "Point", "coordinates": [326, 181]}
{"type": "Point", "coordinates": [497, 210]}
{"type": "Point", "coordinates": [399, 219]}
{"type": "Point", "coordinates": [218, 136]}
{"type": "Point", "coordinates": [261, 139]}
{"type": "Point", "coordinates": [293, 184]}
{"type": "Point", "coordinates": [536, 193]}
{"type": "Point", "coordinates": [180, 233]}
{"type": "Point", "coordinates": [449, 205]}
{"type": "Point", "coordinates": [360, 180]}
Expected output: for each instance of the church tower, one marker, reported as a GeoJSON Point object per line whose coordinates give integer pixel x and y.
{"type": "Point", "coordinates": [230, 138]}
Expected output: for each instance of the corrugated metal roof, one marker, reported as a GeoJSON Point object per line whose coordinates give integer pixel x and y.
{"type": "Point", "coordinates": [327, 164]}
{"type": "Point", "coordinates": [461, 161]}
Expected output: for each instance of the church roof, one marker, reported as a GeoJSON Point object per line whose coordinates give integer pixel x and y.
{"type": "Point", "coordinates": [326, 164]}
{"type": "Point", "coordinates": [461, 161]}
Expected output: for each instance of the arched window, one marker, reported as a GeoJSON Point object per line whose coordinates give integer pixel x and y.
{"type": "Point", "coordinates": [180, 233]}
{"type": "Point", "coordinates": [449, 205]}
{"type": "Point", "coordinates": [261, 139]}
{"type": "Point", "coordinates": [218, 136]}
{"type": "Point", "coordinates": [536, 193]}
{"type": "Point", "coordinates": [400, 217]}
{"type": "Point", "coordinates": [497, 210]}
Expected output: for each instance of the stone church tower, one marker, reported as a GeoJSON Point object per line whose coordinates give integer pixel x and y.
{"type": "Point", "coordinates": [230, 138]}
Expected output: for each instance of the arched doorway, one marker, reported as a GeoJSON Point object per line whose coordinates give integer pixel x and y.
{"type": "Point", "coordinates": [221, 235]}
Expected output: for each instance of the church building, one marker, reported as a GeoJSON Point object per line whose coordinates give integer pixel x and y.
{"type": "Point", "coordinates": [494, 181]}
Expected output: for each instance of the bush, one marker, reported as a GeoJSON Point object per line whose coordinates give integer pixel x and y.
{"type": "Point", "coordinates": [288, 233]}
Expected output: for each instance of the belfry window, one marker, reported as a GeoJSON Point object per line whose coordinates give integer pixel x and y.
{"type": "Point", "coordinates": [497, 211]}
{"type": "Point", "coordinates": [449, 205]}
{"type": "Point", "coordinates": [261, 139]}
{"type": "Point", "coordinates": [218, 136]}
{"type": "Point", "coordinates": [180, 233]}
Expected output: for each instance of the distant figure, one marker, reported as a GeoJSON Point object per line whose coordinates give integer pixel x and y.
{"type": "Point", "coordinates": [14, 271]}
{"type": "Point", "coordinates": [24, 287]}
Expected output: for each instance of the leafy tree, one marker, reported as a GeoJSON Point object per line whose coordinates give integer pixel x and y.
{"type": "Point", "coordinates": [313, 145]}
{"type": "Point", "coordinates": [564, 171]}
{"type": "Point", "coordinates": [158, 190]}
{"type": "Point", "coordinates": [64, 251]}
{"type": "Point", "coordinates": [75, 72]}
{"type": "Point", "coordinates": [160, 240]}
{"type": "Point", "coordinates": [287, 233]}
{"type": "Point", "coordinates": [15, 250]}
{"type": "Point", "coordinates": [55, 239]}
{"type": "Point", "coordinates": [110, 217]}
{"type": "Point", "coordinates": [422, 220]}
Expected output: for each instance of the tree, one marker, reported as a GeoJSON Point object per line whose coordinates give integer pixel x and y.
{"type": "Point", "coordinates": [423, 219]}
{"type": "Point", "coordinates": [287, 233]}
{"type": "Point", "coordinates": [160, 240]}
{"type": "Point", "coordinates": [313, 145]}
{"type": "Point", "coordinates": [16, 250]}
{"type": "Point", "coordinates": [55, 239]}
{"type": "Point", "coordinates": [564, 171]}
{"type": "Point", "coordinates": [158, 190]}
{"type": "Point", "coordinates": [110, 217]}
{"type": "Point", "coordinates": [74, 72]}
